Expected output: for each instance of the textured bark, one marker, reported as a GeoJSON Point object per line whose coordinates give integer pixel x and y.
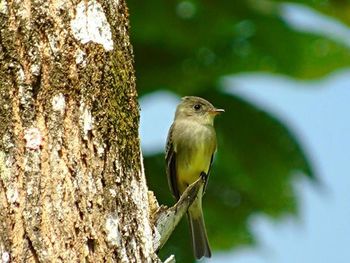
{"type": "Point", "coordinates": [72, 187]}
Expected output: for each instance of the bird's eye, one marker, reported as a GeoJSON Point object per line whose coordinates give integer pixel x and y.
{"type": "Point", "coordinates": [197, 106]}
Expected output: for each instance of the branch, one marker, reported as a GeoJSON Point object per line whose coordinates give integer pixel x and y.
{"type": "Point", "coordinates": [166, 219]}
{"type": "Point", "coordinates": [170, 259]}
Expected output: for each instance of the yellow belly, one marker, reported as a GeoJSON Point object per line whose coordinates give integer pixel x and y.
{"type": "Point", "coordinates": [194, 148]}
{"type": "Point", "coordinates": [189, 169]}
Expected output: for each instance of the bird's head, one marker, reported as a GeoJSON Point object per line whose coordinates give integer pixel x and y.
{"type": "Point", "coordinates": [197, 109]}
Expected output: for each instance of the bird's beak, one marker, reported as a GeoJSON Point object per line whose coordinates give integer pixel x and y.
{"type": "Point", "coordinates": [217, 111]}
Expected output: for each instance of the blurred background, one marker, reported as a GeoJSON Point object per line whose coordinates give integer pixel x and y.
{"type": "Point", "coordinates": [279, 187]}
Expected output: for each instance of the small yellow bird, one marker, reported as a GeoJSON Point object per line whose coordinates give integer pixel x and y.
{"type": "Point", "coordinates": [191, 145]}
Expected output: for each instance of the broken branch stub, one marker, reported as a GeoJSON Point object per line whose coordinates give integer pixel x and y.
{"type": "Point", "coordinates": [167, 219]}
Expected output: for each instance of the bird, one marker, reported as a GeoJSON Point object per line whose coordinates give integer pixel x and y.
{"type": "Point", "coordinates": [190, 147]}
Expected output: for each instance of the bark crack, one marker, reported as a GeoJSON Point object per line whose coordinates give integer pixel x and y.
{"type": "Point", "coordinates": [32, 249]}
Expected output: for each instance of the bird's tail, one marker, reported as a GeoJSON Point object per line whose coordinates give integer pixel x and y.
{"type": "Point", "coordinates": [198, 232]}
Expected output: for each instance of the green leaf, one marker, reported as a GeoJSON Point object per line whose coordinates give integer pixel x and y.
{"type": "Point", "coordinates": [189, 54]}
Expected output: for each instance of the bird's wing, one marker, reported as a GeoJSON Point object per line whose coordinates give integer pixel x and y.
{"type": "Point", "coordinates": [170, 159]}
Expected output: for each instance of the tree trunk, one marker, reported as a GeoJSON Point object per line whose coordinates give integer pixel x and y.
{"type": "Point", "coordinates": [72, 186]}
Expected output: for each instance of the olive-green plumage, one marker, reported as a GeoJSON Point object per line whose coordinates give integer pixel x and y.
{"type": "Point", "coordinates": [189, 153]}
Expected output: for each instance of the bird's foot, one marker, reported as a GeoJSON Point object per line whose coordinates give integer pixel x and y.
{"type": "Point", "coordinates": [204, 176]}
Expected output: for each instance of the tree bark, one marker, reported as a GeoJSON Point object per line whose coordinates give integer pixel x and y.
{"type": "Point", "coordinates": [72, 186]}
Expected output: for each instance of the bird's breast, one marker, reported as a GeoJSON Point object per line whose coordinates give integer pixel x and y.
{"type": "Point", "coordinates": [194, 148]}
